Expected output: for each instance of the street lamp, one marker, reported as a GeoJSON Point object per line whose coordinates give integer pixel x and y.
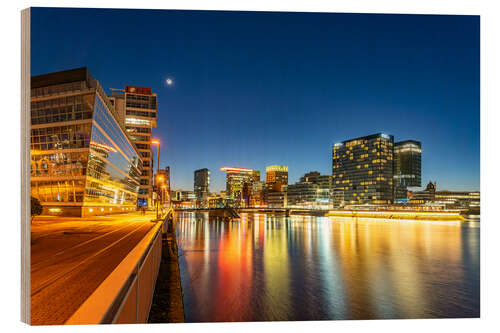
{"type": "Point", "coordinates": [156, 142]}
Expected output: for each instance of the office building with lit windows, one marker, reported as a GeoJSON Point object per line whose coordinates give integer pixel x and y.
{"type": "Point", "coordinates": [257, 194]}
{"type": "Point", "coordinates": [277, 198]}
{"type": "Point", "coordinates": [137, 107]}
{"type": "Point", "coordinates": [362, 170]}
{"type": "Point", "coordinates": [276, 174]}
{"type": "Point", "coordinates": [276, 181]}
{"type": "Point", "coordinates": [238, 183]}
{"type": "Point", "coordinates": [407, 167]}
{"type": "Point", "coordinates": [201, 183]}
{"type": "Point", "coordinates": [256, 176]}
{"type": "Point", "coordinates": [82, 161]}
{"type": "Point", "coordinates": [302, 193]}
{"type": "Point", "coordinates": [313, 189]}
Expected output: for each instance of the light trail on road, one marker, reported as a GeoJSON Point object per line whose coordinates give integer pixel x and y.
{"type": "Point", "coordinates": [38, 265]}
{"type": "Point", "coordinates": [73, 264]}
{"type": "Point", "coordinates": [54, 279]}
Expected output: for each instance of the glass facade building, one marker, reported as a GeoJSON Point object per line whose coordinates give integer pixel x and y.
{"type": "Point", "coordinates": [137, 107]}
{"type": "Point", "coordinates": [82, 161]}
{"type": "Point", "coordinates": [201, 183]}
{"type": "Point", "coordinates": [407, 166]}
{"type": "Point", "coordinates": [362, 170]}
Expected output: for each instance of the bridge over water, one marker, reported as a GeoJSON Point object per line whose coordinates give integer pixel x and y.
{"type": "Point", "coordinates": [234, 212]}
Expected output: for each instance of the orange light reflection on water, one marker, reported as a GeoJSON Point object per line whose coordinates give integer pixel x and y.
{"type": "Point", "coordinates": [264, 267]}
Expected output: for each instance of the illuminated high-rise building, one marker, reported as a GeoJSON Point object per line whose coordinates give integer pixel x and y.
{"type": "Point", "coordinates": [256, 175]}
{"type": "Point", "coordinates": [82, 161]}
{"type": "Point", "coordinates": [276, 174]}
{"type": "Point", "coordinates": [201, 183]}
{"type": "Point", "coordinates": [362, 170]}
{"type": "Point", "coordinates": [276, 183]}
{"type": "Point", "coordinates": [257, 194]}
{"type": "Point", "coordinates": [407, 166]}
{"type": "Point", "coordinates": [236, 178]}
{"type": "Point", "coordinates": [137, 107]}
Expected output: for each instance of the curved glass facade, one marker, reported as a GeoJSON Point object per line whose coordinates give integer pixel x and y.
{"type": "Point", "coordinates": [114, 167]}
{"type": "Point", "coordinates": [82, 162]}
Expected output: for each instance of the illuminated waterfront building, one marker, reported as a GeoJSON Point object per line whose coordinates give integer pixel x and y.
{"type": "Point", "coordinates": [276, 174]}
{"type": "Point", "coordinates": [362, 170]}
{"type": "Point", "coordinates": [180, 195]}
{"type": "Point", "coordinates": [256, 176]}
{"type": "Point", "coordinates": [138, 109]}
{"type": "Point", "coordinates": [302, 194]}
{"type": "Point", "coordinates": [407, 167]}
{"type": "Point", "coordinates": [428, 194]}
{"type": "Point", "coordinates": [201, 183]}
{"type": "Point", "coordinates": [448, 199]}
{"type": "Point", "coordinates": [82, 161]}
{"type": "Point", "coordinates": [216, 201]}
{"type": "Point", "coordinates": [458, 199]}
{"type": "Point", "coordinates": [236, 178]}
{"type": "Point", "coordinates": [184, 199]}
{"type": "Point", "coordinates": [310, 176]}
{"type": "Point", "coordinates": [277, 198]}
{"type": "Point", "coordinates": [276, 181]}
{"type": "Point", "coordinates": [257, 194]}
{"type": "Point", "coordinates": [313, 189]}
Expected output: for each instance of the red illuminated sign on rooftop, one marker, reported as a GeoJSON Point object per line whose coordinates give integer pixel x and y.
{"type": "Point", "coordinates": [138, 90]}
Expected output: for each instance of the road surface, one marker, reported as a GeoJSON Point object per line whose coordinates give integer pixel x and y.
{"type": "Point", "coordinates": [70, 257]}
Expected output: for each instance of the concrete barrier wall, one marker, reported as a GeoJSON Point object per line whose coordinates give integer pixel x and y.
{"type": "Point", "coordinates": [125, 296]}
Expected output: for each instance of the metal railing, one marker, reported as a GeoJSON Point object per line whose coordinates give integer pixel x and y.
{"type": "Point", "coordinates": [125, 296]}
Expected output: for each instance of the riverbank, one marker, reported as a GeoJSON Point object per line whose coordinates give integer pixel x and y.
{"type": "Point", "coordinates": [400, 214]}
{"type": "Point", "coordinates": [167, 305]}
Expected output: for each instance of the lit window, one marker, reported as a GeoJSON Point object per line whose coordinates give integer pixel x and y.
{"type": "Point", "coordinates": [137, 121]}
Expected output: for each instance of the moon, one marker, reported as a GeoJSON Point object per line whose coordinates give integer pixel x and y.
{"type": "Point", "coordinates": [169, 82]}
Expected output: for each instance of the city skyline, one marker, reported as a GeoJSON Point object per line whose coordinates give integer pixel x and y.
{"type": "Point", "coordinates": [286, 97]}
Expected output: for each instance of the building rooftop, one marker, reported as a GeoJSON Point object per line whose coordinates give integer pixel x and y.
{"type": "Point", "coordinates": [66, 76]}
{"type": "Point", "coordinates": [368, 137]}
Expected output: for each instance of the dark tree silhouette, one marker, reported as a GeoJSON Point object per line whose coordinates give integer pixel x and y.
{"type": "Point", "coordinates": [36, 207]}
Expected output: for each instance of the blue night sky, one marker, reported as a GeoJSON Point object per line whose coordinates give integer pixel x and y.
{"type": "Point", "coordinates": [253, 89]}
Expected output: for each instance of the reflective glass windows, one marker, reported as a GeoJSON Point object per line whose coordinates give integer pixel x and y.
{"type": "Point", "coordinates": [61, 109]}
{"type": "Point", "coordinates": [114, 167]}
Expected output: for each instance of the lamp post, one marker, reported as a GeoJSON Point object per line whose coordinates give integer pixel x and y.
{"type": "Point", "coordinates": [156, 142]}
